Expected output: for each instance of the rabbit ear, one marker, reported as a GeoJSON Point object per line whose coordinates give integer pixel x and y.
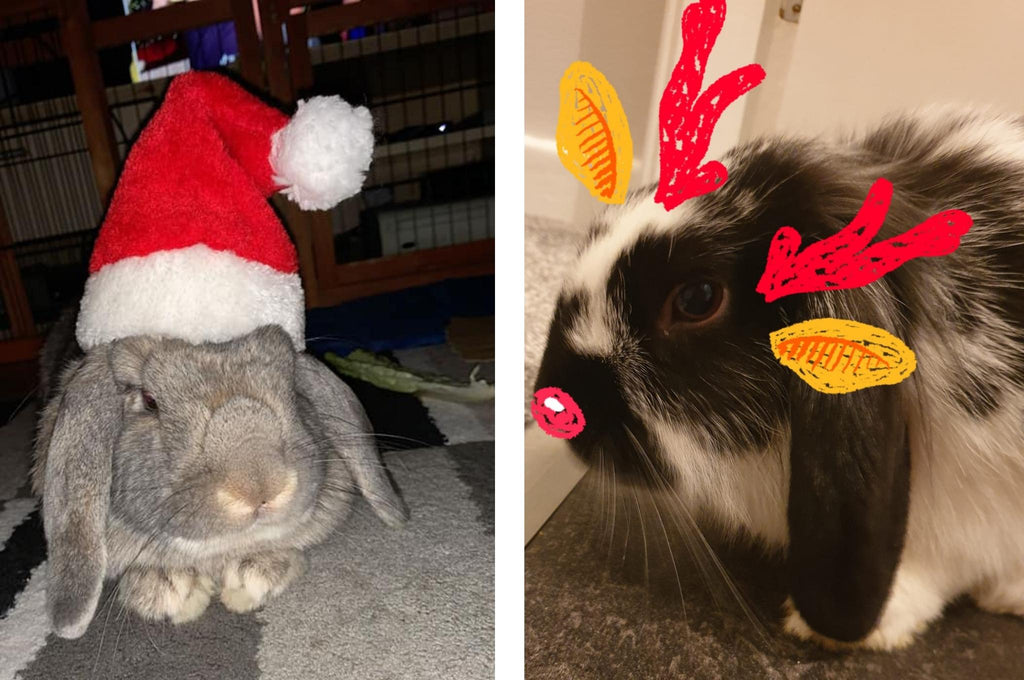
{"type": "Point", "coordinates": [341, 416]}
{"type": "Point", "coordinates": [848, 496]}
{"type": "Point", "coordinates": [76, 493]}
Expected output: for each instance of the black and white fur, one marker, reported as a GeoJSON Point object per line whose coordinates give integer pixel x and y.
{"type": "Point", "coordinates": [889, 502]}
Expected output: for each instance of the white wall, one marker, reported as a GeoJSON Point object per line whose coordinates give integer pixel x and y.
{"type": "Point", "coordinates": [854, 61]}
{"type": "Point", "coordinates": [635, 44]}
{"type": "Point", "coordinates": [621, 40]}
{"type": "Point", "coordinates": [844, 65]}
{"type": "Point", "coordinates": [775, 54]}
{"type": "Point", "coordinates": [736, 46]}
{"type": "Point", "coordinates": [553, 31]}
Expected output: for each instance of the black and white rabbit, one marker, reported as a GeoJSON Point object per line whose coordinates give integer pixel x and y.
{"type": "Point", "coordinates": [187, 470]}
{"type": "Point", "coordinates": [888, 502]}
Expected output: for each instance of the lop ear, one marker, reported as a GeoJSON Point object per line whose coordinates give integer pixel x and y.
{"type": "Point", "coordinates": [76, 492]}
{"type": "Point", "coordinates": [848, 497]}
{"type": "Point", "coordinates": [341, 415]}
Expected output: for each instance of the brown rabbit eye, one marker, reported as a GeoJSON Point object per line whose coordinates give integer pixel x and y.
{"type": "Point", "coordinates": [692, 302]}
{"type": "Point", "coordinates": [148, 401]}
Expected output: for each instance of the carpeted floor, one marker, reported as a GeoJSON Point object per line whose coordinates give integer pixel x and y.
{"type": "Point", "coordinates": [415, 602]}
{"type": "Point", "coordinates": [596, 608]}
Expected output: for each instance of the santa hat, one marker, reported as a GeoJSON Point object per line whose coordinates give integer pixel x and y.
{"type": "Point", "coordinates": [190, 247]}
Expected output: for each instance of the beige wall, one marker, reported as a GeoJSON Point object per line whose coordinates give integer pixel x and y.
{"type": "Point", "coordinates": [854, 61]}
{"type": "Point", "coordinates": [774, 52]}
{"type": "Point", "coordinates": [553, 31]}
{"type": "Point", "coordinates": [635, 44]}
{"type": "Point", "coordinates": [736, 46]}
{"type": "Point", "coordinates": [621, 39]}
{"type": "Point", "coordinates": [844, 65]}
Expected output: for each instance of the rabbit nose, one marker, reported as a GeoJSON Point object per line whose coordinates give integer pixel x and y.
{"type": "Point", "coordinates": [272, 494]}
{"type": "Point", "coordinates": [557, 413]}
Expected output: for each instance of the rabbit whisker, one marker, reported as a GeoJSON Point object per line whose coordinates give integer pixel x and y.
{"type": "Point", "coordinates": [668, 543]}
{"type": "Point", "coordinates": [643, 533]}
{"type": "Point", "coordinates": [355, 426]}
{"type": "Point", "coordinates": [709, 551]}
{"type": "Point", "coordinates": [113, 597]}
{"type": "Point", "coordinates": [17, 409]}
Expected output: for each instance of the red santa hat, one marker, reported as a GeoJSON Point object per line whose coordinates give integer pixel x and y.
{"type": "Point", "coordinates": [190, 248]}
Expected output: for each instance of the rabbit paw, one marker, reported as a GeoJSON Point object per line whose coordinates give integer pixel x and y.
{"type": "Point", "coordinates": [249, 582]}
{"type": "Point", "coordinates": [913, 603]}
{"type": "Point", "coordinates": [1001, 595]}
{"type": "Point", "coordinates": [179, 595]}
{"type": "Point", "coordinates": [879, 639]}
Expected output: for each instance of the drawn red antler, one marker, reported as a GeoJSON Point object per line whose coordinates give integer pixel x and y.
{"type": "Point", "coordinates": [845, 260]}
{"type": "Point", "coordinates": [687, 120]}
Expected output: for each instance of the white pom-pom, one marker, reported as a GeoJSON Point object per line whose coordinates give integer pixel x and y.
{"type": "Point", "coordinates": [321, 156]}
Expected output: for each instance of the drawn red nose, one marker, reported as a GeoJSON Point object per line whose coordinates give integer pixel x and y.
{"type": "Point", "coordinates": [557, 413]}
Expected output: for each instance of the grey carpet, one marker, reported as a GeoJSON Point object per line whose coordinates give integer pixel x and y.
{"type": "Point", "coordinates": [378, 603]}
{"type": "Point", "coordinates": [415, 602]}
{"type": "Point", "coordinates": [595, 608]}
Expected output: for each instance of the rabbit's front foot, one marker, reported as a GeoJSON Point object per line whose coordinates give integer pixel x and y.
{"type": "Point", "coordinates": [882, 638]}
{"type": "Point", "coordinates": [179, 595]}
{"type": "Point", "coordinates": [913, 603]}
{"type": "Point", "coordinates": [250, 581]}
{"type": "Point", "coordinates": [1003, 595]}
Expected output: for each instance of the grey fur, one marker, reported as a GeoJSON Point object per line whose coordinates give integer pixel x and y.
{"type": "Point", "coordinates": [320, 387]}
{"type": "Point", "coordinates": [77, 477]}
{"type": "Point", "coordinates": [252, 453]}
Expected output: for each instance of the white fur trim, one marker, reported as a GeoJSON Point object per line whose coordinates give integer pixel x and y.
{"type": "Point", "coordinates": [197, 294]}
{"type": "Point", "coordinates": [321, 156]}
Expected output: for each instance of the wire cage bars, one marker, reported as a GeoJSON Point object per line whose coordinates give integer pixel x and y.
{"type": "Point", "coordinates": [51, 206]}
{"type": "Point", "coordinates": [47, 193]}
{"type": "Point", "coordinates": [429, 82]}
{"type": "Point", "coordinates": [427, 78]}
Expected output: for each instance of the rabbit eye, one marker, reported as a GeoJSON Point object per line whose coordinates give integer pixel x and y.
{"type": "Point", "coordinates": [148, 401]}
{"type": "Point", "coordinates": [692, 302]}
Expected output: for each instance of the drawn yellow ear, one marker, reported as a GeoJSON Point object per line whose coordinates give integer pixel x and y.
{"type": "Point", "coordinates": [837, 356]}
{"type": "Point", "coordinates": [593, 133]}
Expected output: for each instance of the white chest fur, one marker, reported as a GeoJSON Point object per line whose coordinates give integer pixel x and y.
{"type": "Point", "coordinates": [741, 491]}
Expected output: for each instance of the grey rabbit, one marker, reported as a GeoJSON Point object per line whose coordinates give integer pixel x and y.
{"type": "Point", "coordinates": [192, 470]}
